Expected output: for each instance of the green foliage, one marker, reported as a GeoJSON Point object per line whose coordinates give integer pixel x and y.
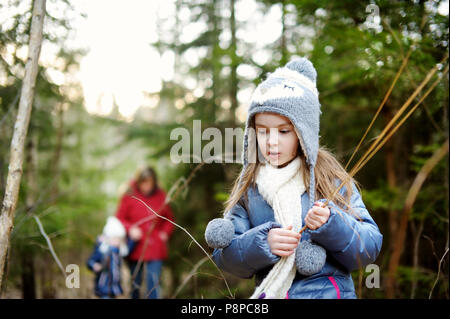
{"type": "Point", "coordinates": [425, 278]}
{"type": "Point", "coordinates": [383, 198]}
{"type": "Point", "coordinates": [80, 176]}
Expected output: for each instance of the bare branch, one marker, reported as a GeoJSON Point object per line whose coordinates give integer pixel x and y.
{"type": "Point", "coordinates": [439, 272]}
{"type": "Point", "coordinates": [50, 246]}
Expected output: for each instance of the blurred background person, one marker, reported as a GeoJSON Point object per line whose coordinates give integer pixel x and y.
{"type": "Point", "coordinates": [150, 232]}
{"type": "Point", "coordinates": [106, 259]}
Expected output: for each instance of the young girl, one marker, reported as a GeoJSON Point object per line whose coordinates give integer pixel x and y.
{"type": "Point", "coordinates": [285, 178]}
{"type": "Point", "coordinates": [106, 259]}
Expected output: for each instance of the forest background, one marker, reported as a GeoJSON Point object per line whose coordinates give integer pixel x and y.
{"type": "Point", "coordinates": [101, 112]}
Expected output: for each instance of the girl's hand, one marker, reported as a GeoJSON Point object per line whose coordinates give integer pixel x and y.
{"type": "Point", "coordinates": [283, 241]}
{"type": "Point", "coordinates": [97, 267]}
{"type": "Point", "coordinates": [317, 216]}
{"type": "Point", "coordinates": [163, 236]}
{"type": "Point", "coordinates": [115, 241]}
{"type": "Point", "coordinates": [135, 233]}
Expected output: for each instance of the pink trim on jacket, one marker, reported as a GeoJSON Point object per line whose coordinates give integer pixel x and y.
{"type": "Point", "coordinates": [338, 293]}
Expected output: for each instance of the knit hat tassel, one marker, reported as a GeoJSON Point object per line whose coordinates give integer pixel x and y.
{"type": "Point", "coordinates": [312, 182]}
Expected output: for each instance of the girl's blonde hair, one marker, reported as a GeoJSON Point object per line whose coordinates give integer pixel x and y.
{"type": "Point", "coordinates": [326, 171]}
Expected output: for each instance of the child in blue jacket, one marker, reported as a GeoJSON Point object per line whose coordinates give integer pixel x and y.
{"type": "Point", "coordinates": [106, 259]}
{"type": "Point", "coordinates": [285, 180]}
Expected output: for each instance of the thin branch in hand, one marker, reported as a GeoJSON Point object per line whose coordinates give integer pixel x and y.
{"type": "Point", "coordinates": [192, 237]}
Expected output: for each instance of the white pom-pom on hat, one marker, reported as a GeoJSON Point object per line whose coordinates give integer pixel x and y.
{"type": "Point", "coordinates": [303, 66]}
{"type": "Point", "coordinates": [300, 71]}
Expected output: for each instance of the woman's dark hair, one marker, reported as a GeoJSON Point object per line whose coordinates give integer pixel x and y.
{"type": "Point", "coordinates": [143, 174]}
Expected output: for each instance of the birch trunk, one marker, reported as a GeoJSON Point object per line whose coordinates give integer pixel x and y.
{"type": "Point", "coordinates": [20, 132]}
{"type": "Point", "coordinates": [28, 258]}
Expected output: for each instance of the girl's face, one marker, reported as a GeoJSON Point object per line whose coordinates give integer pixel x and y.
{"type": "Point", "coordinates": [276, 138]}
{"type": "Point", "coordinates": [115, 241]}
{"type": "Point", "coordinates": [146, 186]}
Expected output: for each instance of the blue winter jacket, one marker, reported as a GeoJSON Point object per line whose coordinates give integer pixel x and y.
{"type": "Point", "coordinates": [108, 280]}
{"type": "Point", "coordinates": [350, 243]}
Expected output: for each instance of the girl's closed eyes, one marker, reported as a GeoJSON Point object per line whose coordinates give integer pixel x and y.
{"type": "Point", "coordinates": [264, 131]}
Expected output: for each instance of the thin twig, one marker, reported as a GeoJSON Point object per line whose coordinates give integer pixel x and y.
{"type": "Point", "coordinates": [388, 93]}
{"type": "Point", "coordinates": [439, 272]}
{"type": "Point", "coordinates": [50, 246]}
{"type": "Point", "coordinates": [169, 197]}
{"type": "Point", "coordinates": [370, 154]}
{"type": "Point", "coordinates": [141, 257]}
{"type": "Point", "coordinates": [155, 286]}
{"type": "Point", "coordinates": [40, 201]}
{"type": "Point", "coordinates": [192, 237]}
{"type": "Point", "coordinates": [189, 276]}
{"type": "Point", "coordinates": [381, 140]}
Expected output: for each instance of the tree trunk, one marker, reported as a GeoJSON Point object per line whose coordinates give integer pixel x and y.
{"type": "Point", "coordinates": [27, 257]}
{"type": "Point", "coordinates": [446, 130]}
{"type": "Point", "coordinates": [399, 239]}
{"type": "Point", "coordinates": [47, 287]}
{"type": "Point", "coordinates": [391, 173]}
{"type": "Point", "coordinates": [415, 267]}
{"type": "Point", "coordinates": [20, 132]}
{"type": "Point", "coordinates": [234, 64]}
{"type": "Point", "coordinates": [28, 278]}
{"type": "Point", "coordinates": [391, 181]}
{"type": "Point", "coordinates": [2, 176]}
{"type": "Point", "coordinates": [215, 57]}
{"type": "Point", "coordinates": [31, 171]}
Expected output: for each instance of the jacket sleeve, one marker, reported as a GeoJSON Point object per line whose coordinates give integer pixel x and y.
{"type": "Point", "coordinates": [122, 212]}
{"type": "Point", "coordinates": [354, 241]}
{"type": "Point", "coordinates": [130, 245]}
{"type": "Point", "coordinates": [95, 257]}
{"type": "Point", "coordinates": [249, 250]}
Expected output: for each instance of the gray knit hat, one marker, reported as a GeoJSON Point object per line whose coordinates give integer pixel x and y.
{"type": "Point", "coordinates": [289, 91]}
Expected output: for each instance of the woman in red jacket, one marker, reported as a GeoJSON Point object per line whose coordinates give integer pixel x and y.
{"type": "Point", "coordinates": [150, 231]}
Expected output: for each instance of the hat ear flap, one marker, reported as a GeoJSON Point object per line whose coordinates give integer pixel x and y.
{"type": "Point", "coordinates": [302, 149]}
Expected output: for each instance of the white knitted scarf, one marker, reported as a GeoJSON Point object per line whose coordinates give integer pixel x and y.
{"type": "Point", "coordinates": [282, 189]}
